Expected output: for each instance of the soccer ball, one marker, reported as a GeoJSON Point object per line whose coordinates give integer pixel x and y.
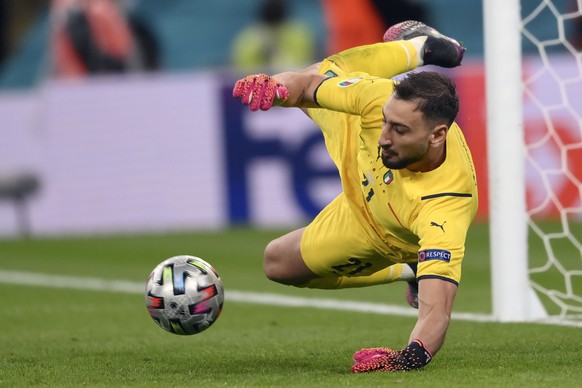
{"type": "Point", "coordinates": [184, 295]}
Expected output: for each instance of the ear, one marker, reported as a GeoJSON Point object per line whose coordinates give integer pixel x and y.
{"type": "Point", "coordinates": [439, 134]}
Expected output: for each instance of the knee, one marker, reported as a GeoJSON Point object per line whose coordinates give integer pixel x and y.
{"type": "Point", "coordinates": [274, 263]}
{"type": "Point", "coordinates": [283, 262]}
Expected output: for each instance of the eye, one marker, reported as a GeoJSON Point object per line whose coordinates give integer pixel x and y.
{"type": "Point", "coordinates": [399, 130]}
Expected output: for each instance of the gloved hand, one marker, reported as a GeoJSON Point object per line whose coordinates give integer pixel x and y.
{"type": "Point", "coordinates": [260, 91]}
{"type": "Point", "coordinates": [414, 356]}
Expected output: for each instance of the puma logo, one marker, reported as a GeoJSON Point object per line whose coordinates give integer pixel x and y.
{"type": "Point", "coordinates": [441, 226]}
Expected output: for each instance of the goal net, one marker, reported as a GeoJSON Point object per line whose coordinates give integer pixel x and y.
{"type": "Point", "coordinates": [533, 64]}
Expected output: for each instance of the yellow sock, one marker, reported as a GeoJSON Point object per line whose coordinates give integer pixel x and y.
{"type": "Point", "coordinates": [396, 272]}
{"type": "Point", "coordinates": [418, 43]}
{"type": "Point", "coordinates": [382, 59]}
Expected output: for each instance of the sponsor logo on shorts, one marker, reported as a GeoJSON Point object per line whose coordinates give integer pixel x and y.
{"type": "Point", "coordinates": [434, 254]}
{"type": "Point", "coordinates": [349, 82]}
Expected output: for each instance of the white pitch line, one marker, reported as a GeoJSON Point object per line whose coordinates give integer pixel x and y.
{"type": "Point", "coordinates": [130, 287]}
{"type": "Point", "coordinates": [70, 282]}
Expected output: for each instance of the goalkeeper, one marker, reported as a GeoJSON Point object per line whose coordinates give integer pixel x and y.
{"type": "Point", "coordinates": [409, 188]}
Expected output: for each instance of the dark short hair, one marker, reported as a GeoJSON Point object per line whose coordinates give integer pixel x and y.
{"type": "Point", "coordinates": [436, 95]}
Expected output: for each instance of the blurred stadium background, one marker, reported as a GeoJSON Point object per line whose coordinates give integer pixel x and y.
{"type": "Point", "coordinates": [116, 116]}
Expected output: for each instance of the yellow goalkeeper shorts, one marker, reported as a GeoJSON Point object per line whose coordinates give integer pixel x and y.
{"type": "Point", "coordinates": [337, 244]}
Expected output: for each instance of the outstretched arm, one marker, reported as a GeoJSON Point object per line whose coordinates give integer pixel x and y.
{"type": "Point", "coordinates": [301, 87]}
{"type": "Point", "coordinates": [436, 298]}
{"type": "Point", "coordinates": [290, 89]}
{"type": "Point", "coordinates": [435, 304]}
{"type": "Point", "coordinates": [296, 89]}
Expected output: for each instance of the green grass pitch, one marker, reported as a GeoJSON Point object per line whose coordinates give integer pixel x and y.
{"type": "Point", "coordinates": [67, 337]}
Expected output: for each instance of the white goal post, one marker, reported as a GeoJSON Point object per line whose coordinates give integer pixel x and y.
{"type": "Point", "coordinates": [506, 162]}
{"type": "Point", "coordinates": [514, 298]}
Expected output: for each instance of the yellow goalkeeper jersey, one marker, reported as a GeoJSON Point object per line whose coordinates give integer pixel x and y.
{"type": "Point", "coordinates": [424, 213]}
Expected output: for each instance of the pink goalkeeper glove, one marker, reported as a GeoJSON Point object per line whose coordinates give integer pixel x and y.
{"type": "Point", "coordinates": [414, 356]}
{"type": "Point", "coordinates": [260, 92]}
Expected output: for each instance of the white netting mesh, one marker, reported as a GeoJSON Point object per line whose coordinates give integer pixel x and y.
{"type": "Point", "coordinates": [552, 43]}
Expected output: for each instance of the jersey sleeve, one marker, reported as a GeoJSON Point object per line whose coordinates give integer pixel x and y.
{"type": "Point", "coordinates": [442, 227]}
{"type": "Point", "coordinates": [356, 94]}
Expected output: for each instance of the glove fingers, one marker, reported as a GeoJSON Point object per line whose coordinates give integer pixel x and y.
{"type": "Point", "coordinates": [260, 91]}
{"type": "Point", "coordinates": [367, 353]}
{"type": "Point", "coordinates": [272, 95]}
{"type": "Point", "coordinates": [267, 93]}
{"type": "Point", "coordinates": [244, 89]}
{"type": "Point", "coordinates": [260, 87]}
{"type": "Point", "coordinates": [238, 88]}
{"type": "Point", "coordinates": [379, 363]}
{"type": "Point", "coordinates": [248, 93]}
{"type": "Point", "coordinates": [281, 94]}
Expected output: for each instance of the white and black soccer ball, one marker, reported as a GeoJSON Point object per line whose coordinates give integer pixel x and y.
{"type": "Point", "coordinates": [184, 295]}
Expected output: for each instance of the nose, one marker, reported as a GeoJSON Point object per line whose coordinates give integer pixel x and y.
{"type": "Point", "coordinates": [384, 140]}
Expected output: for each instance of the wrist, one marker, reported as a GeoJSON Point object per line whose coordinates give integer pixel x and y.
{"type": "Point", "coordinates": [415, 355]}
